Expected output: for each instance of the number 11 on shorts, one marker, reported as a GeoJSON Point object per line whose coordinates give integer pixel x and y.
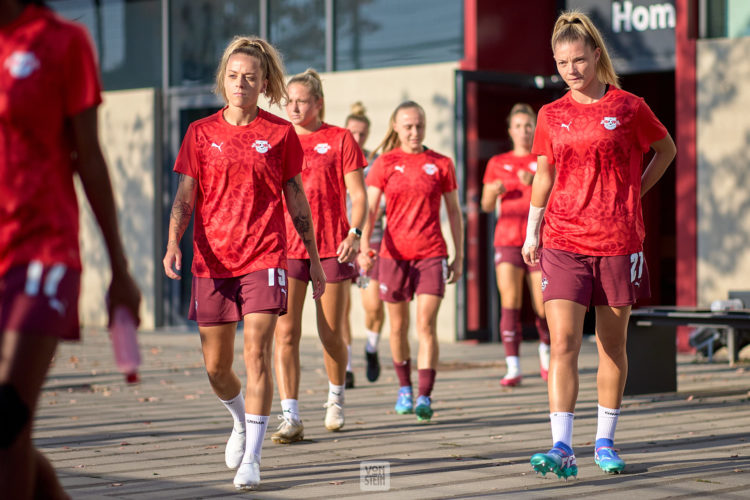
{"type": "Point", "coordinates": [636, 266]}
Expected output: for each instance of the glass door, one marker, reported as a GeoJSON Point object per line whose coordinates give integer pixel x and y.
{"type": "Point", "coordinates": [185, 107]}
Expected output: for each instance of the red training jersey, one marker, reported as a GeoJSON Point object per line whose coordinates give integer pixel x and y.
{"type": "Point", "coordinates": [413, 185]}
{"type": "Point", "coordinates": [510, 229]}
{"type": "Point", "coordinates": [330, 153]}
{"type": "Point", "coordinates": [597, 149]}
{"type": "Point", "coordinates": [241, 172]}
{"type": "Point", "coordinates": [48, 74]}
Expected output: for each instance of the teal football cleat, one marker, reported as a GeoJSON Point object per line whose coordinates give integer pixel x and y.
{"type": "Point", "coordinates": [560, 460]}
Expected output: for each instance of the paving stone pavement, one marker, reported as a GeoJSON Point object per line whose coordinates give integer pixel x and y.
{"type": "Point", "coordinates": [164, 438]}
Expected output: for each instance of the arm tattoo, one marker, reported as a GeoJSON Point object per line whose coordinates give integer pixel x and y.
{"type": "Point", "coordinates": [302, 225]}
{"type": "Point", "coordinates": [296, 186]}
{"type": "Point", "coordinates": [181, 212]}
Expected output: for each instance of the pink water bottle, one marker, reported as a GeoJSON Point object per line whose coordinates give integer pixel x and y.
{"type": "Point", "coordinates": [125, 343]}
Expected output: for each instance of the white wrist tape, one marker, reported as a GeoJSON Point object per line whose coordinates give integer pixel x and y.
{"type": "Point", "coordinates": [536, 215]}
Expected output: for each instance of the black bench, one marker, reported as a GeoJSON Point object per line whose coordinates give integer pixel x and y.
{"type": "Point", "coordinates": [652, 347]}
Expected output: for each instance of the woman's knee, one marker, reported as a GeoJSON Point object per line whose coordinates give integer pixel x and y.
{"type": "Point", "coordinates": [612, 345]}
{"type": "Point", "coordinates": [562, 344]}
{"type": "Point", "coordinates": [218, 371]}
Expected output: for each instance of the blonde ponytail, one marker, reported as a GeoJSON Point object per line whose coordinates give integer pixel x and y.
{"type": "Point", "coordinates": [270, 64]}
{"type": "Point", "coordinates": [573, 26]}
{"type": "Point", "coordinates": [358, 113]}
{"type": "Point", "coordinates": [311, 79]}
{"type": "Point", "coordinates": [390, 141]}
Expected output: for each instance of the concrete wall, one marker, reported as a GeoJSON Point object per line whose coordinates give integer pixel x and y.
{"type": "Point", "coordinates": [723, 71]}
{"type": "Point", "coordinates": [129, 139]}
{"type": "Point", "coordinates": [127, 125]}
{"type": "Point", "coordinates": [381, 90]}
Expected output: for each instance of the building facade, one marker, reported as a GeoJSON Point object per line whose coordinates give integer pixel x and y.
{"type": "Point", "coordinates": [467, 63]}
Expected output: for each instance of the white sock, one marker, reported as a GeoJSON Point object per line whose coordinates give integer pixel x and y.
{"type": "Point", "coordinates": [372, 341]}
{"type": "Point", "coordinates": [236, 407]}
{"type": "Point", "coordinates": [349, 358]}
{"type": "Point", "coordinates": [336, 393]}
{"type": "Point", "coordinates": [544, 355]}
{"type": "Point", "coordinates": [562, 427]}
{"type": "Point", "coordinates": [514, 366]}
{"type": "Point", "coordinates": [606, 423]}
{"type": "Point", "coordinates": [290, 408]}
{"type": "Point", "coordinates": [255, 426]}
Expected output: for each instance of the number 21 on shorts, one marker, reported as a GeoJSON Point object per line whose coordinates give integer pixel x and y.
{"type": "Point", "coordinates": [636, 266]}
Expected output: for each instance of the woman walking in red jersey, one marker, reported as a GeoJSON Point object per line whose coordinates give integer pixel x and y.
{"type": "Point", "coordinates": [413, 255]}
{"type": "Point", "coordinates": [49, 94]}
{"type": "Point", "coordinates": [333, 165]}
{"type": "Point", "coordinates": [590, 145]}
{"type": "Point", "coordinates": [359, 125]}
{"type": "Point", "coordinates": [234, 167]}
{"type": "Point", "coordinates": [508, 178]}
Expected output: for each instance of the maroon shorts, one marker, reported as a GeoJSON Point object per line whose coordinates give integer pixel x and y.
{"type": "Point", "coordinates": [215, 301]}
{"type": "Point", "coordinates": [400, 280]}
{"type": "Point", "coordinates": [335, 271]}
{"type": "Point", "coordinates": [373, 273]}
{"type": "Point", "coordinates": [618, 281]}
{"type": "Point", "coordinates": [37, 299]}
{"type": "Point", "coordinates": [512, 255]}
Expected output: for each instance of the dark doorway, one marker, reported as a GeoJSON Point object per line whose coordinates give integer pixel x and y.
{"type": "Point", "coordinates": [177, 293]}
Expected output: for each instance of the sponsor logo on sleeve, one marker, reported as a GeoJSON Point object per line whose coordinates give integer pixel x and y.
{"type": "Point", "coordinates": [261, 146]}
{"type": "Point", "coordinates": [322, 148]}
{"type": "Point", "coordinates": [21, 64]}
{"type": "Point", "coordinates": [610, 122]}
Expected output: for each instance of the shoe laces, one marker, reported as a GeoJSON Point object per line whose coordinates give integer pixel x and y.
{"type": "Point", "coordinates": [607, 453]}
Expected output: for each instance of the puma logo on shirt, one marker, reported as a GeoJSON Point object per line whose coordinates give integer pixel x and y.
{"type": "Point", "coordinates": [399, 168]}
{"type": "Point", "coordinates": [566, 125]}
{"type": "Point", "coordinates": [217, 146]}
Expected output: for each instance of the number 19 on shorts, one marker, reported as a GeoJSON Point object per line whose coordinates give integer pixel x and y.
{"type": "Point", "coordinates": [275, 275]}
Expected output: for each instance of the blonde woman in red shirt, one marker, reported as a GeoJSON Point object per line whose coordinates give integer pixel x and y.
{"type": "Point", "coordinates": [235, 166]}
{"type": "Point", "coordinates": [590, 145]}
{"type": "Point", "coordinates": [413, 255]}
{"type": "Point", "coordinates": [333, 165]}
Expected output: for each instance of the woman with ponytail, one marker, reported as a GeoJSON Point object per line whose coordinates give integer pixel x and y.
{"type": "Point", "coordinates": [507, 188]}
{"type": "Point", "coordinates": [413, 255]}
{"type": "Point", "coordinates": [359, 125]}
{"type": "Point", "coordinates": [234, 167]}
{"type": "Point", "coordinates": [589, 146]}
{"type": "Point", "coordinates": [333, 165]}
